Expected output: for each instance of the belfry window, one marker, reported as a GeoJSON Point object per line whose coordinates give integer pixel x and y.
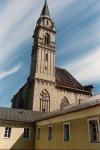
{"type": "Point", "coordinates": [47, 39]}
{"type": "Point", "coordinates": [45, 67]}
{"type": "Point", "coordinates": [44, 101]}
{"type": "Point", "coordinates": [64, 102]}
{"type": "Point", "coordinates": [46, 57]}
{"type": "Point", "coordinates": [47, 22]}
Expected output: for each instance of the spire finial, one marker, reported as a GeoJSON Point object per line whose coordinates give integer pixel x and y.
{"type": "Point", "coordinates": [45, 10]}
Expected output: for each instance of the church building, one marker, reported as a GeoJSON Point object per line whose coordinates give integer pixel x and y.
{"type": "Point", "coordinates": [52, 111]}
{"type": "Point", "coordinates": [48, 87]}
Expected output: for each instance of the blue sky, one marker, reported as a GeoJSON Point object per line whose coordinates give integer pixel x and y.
{"type": "Point", "coordinates": [77, 41]}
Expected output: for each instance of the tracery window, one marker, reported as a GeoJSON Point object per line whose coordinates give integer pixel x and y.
{"type": "Point", "coordinates": [44, 101]}
{"type": "Point", "coordinates": [64, 102]}
{"type": "Point", "coordinates": [47, 39]}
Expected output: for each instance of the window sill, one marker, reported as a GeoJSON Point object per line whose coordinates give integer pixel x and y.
{"type": "Point", "coordinates": [98, 142]}
{"type": "Point", "coordinates": [6, 137]}
{"type": "Point", "coordinates": [26, 139]}
{"type": "Point", "coordinates": [66, 140]}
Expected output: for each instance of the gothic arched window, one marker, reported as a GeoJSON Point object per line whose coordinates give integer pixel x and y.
{"type": "Point", "coordinates": [44, 101]}
{"type": "Point", "coordinates": [47, 39]}
{"type": "Point", "coordinates": [64, 102]}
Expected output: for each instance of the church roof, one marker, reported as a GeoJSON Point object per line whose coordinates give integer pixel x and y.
{"type": "Point", "coordinates": [64, 78]}
{"type": "Point", "coordinates": [45, 10]}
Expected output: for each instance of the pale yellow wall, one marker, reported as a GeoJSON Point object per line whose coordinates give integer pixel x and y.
{"type": "Point", "coordinates": [79, 137]}
{"type": "Point", "coordinates": [95, 111]}
{"type": "Point", "coordinates": [16, 140]}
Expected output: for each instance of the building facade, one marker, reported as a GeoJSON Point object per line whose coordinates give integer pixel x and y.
{"type": "Point", "coordinates": [78, 130]}
{"type": "Point", "coordinates": [75, 128]}
{"type": "Point", "coordinates": [48, 88]}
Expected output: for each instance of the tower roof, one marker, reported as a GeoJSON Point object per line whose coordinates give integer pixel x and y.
{"type": "Point", "coordinates": [45, 10]}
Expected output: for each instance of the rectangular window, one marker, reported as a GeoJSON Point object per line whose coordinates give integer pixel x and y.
{"type": "Point", "coordinates": [45, 67]}
{"type": "Point", "coordinates": [26, 133]}
{"type": "Point", "coordinates": [7, 132]}
{"type": "Point", "coordinates": [66, 131]}
{"type": "Point", "coordinates": [94, 131]}
{"type": "Point", "coordinates": [38, 133]}
{"type": "Point", "coordinates": [46, 57]}
{"type": "Point", "coordinates": [49, 132]}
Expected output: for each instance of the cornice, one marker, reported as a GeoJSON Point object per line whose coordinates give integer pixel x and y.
{"type": "Point", "coordinates": [73, 89]}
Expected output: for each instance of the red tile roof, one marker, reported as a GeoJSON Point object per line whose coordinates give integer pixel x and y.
{"type": "Point", "coordinates": [64, 78]}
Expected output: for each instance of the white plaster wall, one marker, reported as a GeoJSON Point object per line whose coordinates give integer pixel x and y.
{"type": "Point", "coordinates": [16, 140]}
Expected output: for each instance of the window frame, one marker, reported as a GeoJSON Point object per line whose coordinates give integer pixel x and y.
{"type": "Point", "coordinates": [47, 39]}
{"type": "Point", "coordinates": [28, 134]}
{"type": "Point", "coordinates": [98, 122]}
{"type": "Point", "coordinates": [7, 137]}
{"type": "Point", "coordinates": [50, 137]}
{"type": "Point", "coordinates": [66, 123]}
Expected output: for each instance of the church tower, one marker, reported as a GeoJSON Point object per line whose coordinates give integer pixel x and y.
{"type": "Point", "coordinates": [42, 71]}
{"type": "Point", "coordinates": [43, 50]}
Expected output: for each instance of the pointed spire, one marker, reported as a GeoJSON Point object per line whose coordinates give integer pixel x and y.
{"type": "Point", "coordinates": [45, 10]}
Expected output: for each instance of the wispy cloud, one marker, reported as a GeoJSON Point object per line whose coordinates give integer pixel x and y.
{"type": "Point", "coordinates": [78, 35]}
{"type": "Point", "coordinates": [18, 26]}
{"type": "Point", "coordinates": [87, 68]}
{"type": "Point", "coordinates": [6, 73]}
